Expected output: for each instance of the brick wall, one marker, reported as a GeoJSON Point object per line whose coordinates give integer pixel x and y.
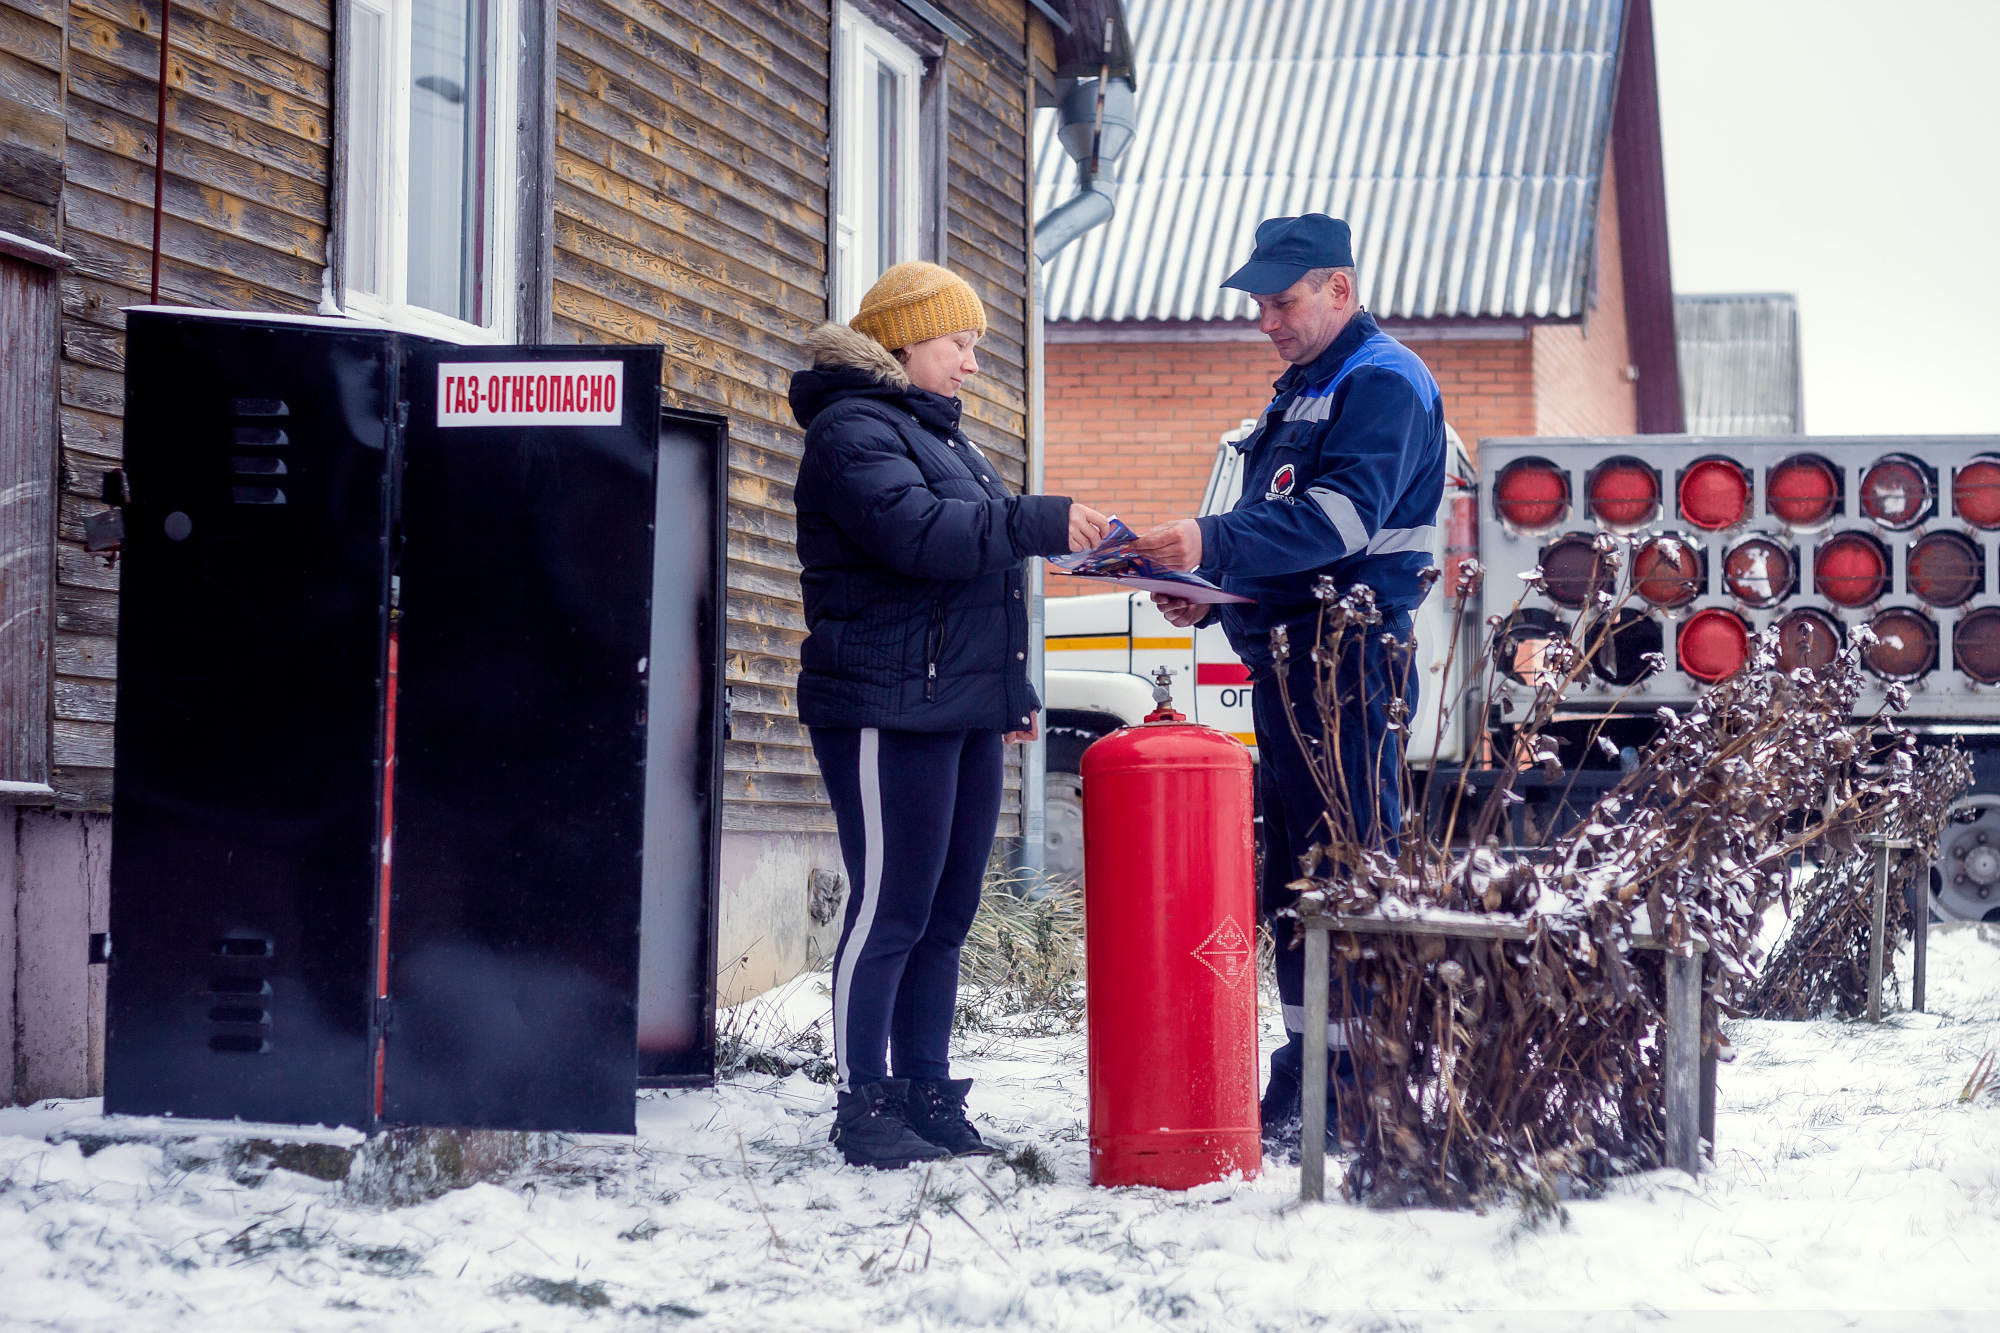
{"type": "Point", "coordinates": [1132, 427]}
{"type": "Point", "coordinates": [1583, 383]}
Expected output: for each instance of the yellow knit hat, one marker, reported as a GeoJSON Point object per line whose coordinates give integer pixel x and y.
{"type": "Point", "coordinates": [914, 301]}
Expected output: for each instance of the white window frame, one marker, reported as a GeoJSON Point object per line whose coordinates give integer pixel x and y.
{"type": "Point", "coordinates": [393, 227]}
{"type": "Point", "coordinates": [861, 43]}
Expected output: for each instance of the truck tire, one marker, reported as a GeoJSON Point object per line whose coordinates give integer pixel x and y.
{"type": "Point", "coordinates": [1062, 808]}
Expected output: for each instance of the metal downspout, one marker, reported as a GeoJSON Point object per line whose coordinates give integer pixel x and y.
{"type": "Point", "coordinates": [1096, 143]}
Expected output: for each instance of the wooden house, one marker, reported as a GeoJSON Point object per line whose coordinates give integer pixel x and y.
{"type": "Point", "coordinates": [715, 176]}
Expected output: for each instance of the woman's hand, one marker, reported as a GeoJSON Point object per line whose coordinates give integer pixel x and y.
{"type": "Point", "coordinates": [1086, 527]}
{"type": "Point", "coordinates": [1028, 737]}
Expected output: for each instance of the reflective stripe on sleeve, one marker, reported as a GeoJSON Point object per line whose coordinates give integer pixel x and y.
{"type": "Point", "coordinates": [1395, 541]}
{"type": "Point", "coordinates": [1346, 521]}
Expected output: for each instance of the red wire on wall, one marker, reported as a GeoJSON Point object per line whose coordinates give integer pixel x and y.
{"type": "Point", "coordinates": [160, 147]}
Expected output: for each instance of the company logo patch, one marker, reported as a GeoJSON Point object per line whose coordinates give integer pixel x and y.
{"type": "Point", "coordinates": [1281, 484]}
{"type": "Point", "coordinates": [1227, 952]}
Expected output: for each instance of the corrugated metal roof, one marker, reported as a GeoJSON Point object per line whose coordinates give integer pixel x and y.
{"type": "Point", "coordinates": [1464, 141]}
{"type": "Point", "coordinates": [1739, 356]}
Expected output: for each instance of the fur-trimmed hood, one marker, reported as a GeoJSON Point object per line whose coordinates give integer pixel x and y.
{"type": "Point", "coordinates": [837, 347]}
{"type": "Point", "coordinates": [847, 365]}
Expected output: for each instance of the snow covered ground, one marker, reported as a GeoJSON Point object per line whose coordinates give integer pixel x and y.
{"type": "Point", "coordinates": [1852, 1189]}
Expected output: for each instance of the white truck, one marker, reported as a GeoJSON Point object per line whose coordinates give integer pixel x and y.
{"type": "Point", "coordinates": [1104, 647]}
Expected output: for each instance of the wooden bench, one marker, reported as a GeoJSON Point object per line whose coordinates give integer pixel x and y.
{"type": "Point", "coordinates": [1690, 1076]}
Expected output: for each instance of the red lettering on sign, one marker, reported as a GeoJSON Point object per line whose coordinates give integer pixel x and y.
{"type": "Point", "coordinates": [493, 393]}
{"type": "Point", "coordinates": [611, 393]}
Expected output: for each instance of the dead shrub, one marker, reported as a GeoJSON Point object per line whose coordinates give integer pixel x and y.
{"type": "Point", "coordinates": [1532, 1069]}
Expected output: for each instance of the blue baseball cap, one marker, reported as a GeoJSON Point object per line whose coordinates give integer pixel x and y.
{"type": "Point", "coordinates": [1289, 248]}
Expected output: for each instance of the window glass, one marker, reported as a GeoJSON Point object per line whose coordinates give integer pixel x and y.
{"type": "Point", "coordinates": [876, 156]}
{"type": "Point", "coordinates": [447, 167]}
{"type": "Point", "coordinates": [367, 157]}
{"type": "Point", "coordinates": [429, 138]}
{"type": "Point", "coordinates": [888, 166]}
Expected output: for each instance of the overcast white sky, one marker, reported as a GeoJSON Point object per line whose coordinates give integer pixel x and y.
{"type": "Point", "coordinates": [1847, 151]}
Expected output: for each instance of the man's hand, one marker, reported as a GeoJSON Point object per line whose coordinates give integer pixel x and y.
{"type": "Point", "coordinates": [1028, 737]}
{"type": "Point", "coordinates": [1177, 545]}
{"type": "Point", "coordinates": [1179, 611]}
{"type": "Point", "coordinates": [1086, 527]}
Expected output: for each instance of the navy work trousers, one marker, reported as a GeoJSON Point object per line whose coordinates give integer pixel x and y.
{"type": "Point", "coordinates": [917, 812]}
{"type": "Point", "coordinates": [1367, 677]}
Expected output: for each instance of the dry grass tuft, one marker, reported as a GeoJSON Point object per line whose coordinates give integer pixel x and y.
{"type": "Point", "coordinates": [1023, 958]}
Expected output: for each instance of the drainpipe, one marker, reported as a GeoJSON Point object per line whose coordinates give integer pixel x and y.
{"type": "Point", "coordinates": [1097, 127]}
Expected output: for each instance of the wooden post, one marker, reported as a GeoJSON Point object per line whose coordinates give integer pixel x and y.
{"type": "Point", "coordinates": [1878, 912]}
{"type": "Point", "coordinates": [1312, 1091]}
{"type": "Point", "coordinates": [1683, 1061]}
{"type": "Point", "coordinates": [1920, 938]}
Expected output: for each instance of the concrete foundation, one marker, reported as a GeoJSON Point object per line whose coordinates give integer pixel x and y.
{"type": "Point", "coordinates": [767, 933]}
{"type": "Point", "coordinates": [395, 1167]}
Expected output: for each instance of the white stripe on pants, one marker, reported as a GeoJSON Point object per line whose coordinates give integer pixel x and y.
{"type": "Point", "coordinates": [1339, 1032]}
{"type": "Point", "coordinates": [870, 780]}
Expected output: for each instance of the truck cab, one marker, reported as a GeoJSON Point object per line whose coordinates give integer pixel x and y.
{"type": "Point", "coordinates": [1102, 650]}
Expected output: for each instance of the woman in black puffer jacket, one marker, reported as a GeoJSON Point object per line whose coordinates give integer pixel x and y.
{"type": "Point", "coordinates": [912, 678]}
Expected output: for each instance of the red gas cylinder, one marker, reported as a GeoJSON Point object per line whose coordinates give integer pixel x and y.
{"type": "Point", "coordinates": [1170, 933]}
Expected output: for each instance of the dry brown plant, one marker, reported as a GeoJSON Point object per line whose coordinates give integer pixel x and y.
{"type": "Point", "coordinates": [1532, 1069]}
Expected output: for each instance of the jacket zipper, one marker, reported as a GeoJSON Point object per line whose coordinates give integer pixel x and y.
{"type": "Point", "coordinates": [936, 651]}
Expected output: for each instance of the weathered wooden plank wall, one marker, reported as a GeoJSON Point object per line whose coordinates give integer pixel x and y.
{"type": "Point", "coordinates": [690, 210]}
{"type": "Point", "coordinates": [692, 182]}
{"type": "Point", "coordinates": [248, 119]}
{"type": "Point", "coordinates": [691, 193]}
{"type": "Point", "coordinates": [31, 118]}
{"type": "Point", "coordinates": [29, 302]}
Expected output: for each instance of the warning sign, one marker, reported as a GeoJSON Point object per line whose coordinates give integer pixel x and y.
{"type": "Point", "coordinates": [1228, 952]}
{"type": "Point", "coordinates": [530, 393]}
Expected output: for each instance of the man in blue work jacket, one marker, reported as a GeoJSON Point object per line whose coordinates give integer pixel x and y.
{"type": "Point", "coordinates": [1341, 477]}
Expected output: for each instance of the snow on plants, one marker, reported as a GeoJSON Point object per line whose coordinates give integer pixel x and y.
{"type": "Point", "coordinates": [1851, 1186]}
{"type": "Point", "coordinates": [1533, 1067]}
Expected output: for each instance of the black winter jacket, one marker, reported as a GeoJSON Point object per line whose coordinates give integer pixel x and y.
{"type": "Point", "coordinates": [911, 551]}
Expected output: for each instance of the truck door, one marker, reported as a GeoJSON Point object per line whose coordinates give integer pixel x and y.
{"type": "Point", "coordinates": [1221, 681]}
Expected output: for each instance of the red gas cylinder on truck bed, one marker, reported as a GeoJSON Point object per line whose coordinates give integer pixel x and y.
{"type": "Point", "coordinates": [1170, 932]}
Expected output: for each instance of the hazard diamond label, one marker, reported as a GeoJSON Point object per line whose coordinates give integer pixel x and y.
{"type": "Point", "coordinates": [1228, 952]}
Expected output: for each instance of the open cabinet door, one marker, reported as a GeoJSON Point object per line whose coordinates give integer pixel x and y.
{"type": "Point", "coordinates": [519, 787]}
{"type": "Point", "coordinates": [250, 650]}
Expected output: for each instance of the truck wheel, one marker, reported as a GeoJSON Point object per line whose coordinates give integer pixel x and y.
{"type": "Point", "coordinates": [1062, 802]}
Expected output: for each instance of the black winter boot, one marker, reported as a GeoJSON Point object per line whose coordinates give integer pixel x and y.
{"type": "Point", "coordinates": [937, 1111]}
{"type": "Point", "coordinates": [871, 1127]}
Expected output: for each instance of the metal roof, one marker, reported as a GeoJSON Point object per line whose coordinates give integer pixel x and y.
{"type": "Point", "coordinates": [1464, 141]}
{"type": "Point", "coordinates": [1739, 355]}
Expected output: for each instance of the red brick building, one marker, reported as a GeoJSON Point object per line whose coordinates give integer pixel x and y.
{"type": "Point", "coordinates": [1504, 182]}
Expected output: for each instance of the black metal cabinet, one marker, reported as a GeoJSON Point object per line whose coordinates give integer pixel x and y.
{"type": "Point", "coordinates": [350, 892]}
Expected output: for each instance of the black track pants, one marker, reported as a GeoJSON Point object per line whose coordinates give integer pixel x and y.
{"type": "Point", "coordinates": [917, 812]}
